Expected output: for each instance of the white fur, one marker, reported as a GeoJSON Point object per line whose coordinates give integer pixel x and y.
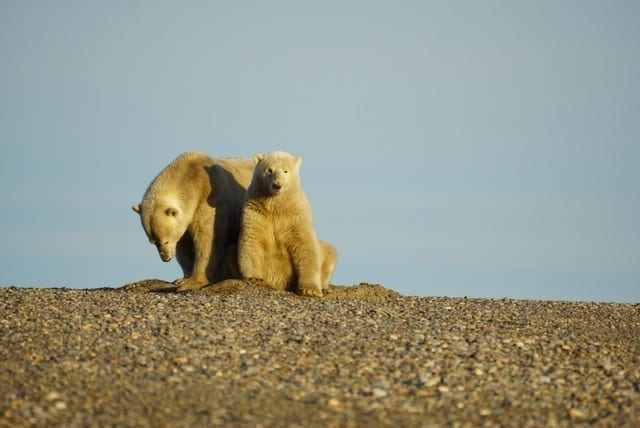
{"type": "Point", "coordinates": [278, 243]}
{"type": "Point", "coordinates": [191, 211]}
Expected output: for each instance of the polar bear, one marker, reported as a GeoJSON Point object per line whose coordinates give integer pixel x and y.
{"type": "Point", "coordinates": [277, 243]}
{"type": "Point", "coordinates": [191, 211]}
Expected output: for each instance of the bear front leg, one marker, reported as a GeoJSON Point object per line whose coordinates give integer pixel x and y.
{"type": "Point", "coordinates": [203, 244]}
{"type": "Point", "coordinates": [198, 278]}
{"type": "Point", "coordinates": [252, 246]}
{"type": "Point", "coordinates": [306, 258]}
{"type": "Point", "coordinates": [251, 259]}
{"type": "Point", "coordinates": [185, 254]}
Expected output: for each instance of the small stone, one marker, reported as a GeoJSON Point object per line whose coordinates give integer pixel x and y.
{"type": "Point", "coordinates": [379, 393]}
{"type": "Point", "coordinates": [131, 347]}
{"type": "Point", "coordinates": [252, 371]}
{"type": "Point", "coordinates": [333, 402]}
{"type": "Point", "coordinates": [577, 414]}
{"type": "Point", "coordinates": [180, 360]}
{"type": "Point", "coordinates": [52, 396]}
{"type": "Point", "coordinates": [433, 381]}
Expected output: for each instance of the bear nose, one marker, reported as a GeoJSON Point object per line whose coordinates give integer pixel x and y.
{"type": "Point", "coordinates": [277, 186]}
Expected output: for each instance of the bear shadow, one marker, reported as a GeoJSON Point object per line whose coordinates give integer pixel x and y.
{"type": "Point", "coordinates": [228, 210]}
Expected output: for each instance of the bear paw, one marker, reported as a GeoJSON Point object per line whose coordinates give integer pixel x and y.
{"type": "Point", "coordinates": [310, 291]}
{"type": "Point", "coordinates": [187, 284]}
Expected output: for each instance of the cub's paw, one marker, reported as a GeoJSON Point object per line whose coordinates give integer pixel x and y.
{"type": "Point", "coordinates": [187, 284]}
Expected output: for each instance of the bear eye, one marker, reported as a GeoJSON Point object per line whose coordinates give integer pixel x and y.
{"type": "Point", "coordinates": [270, 170]}
{"type": "Point", "coordinates": [286, 171]}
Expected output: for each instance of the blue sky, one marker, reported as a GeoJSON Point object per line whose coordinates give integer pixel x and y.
{"type": "Point", "coordinates": [485, 149]}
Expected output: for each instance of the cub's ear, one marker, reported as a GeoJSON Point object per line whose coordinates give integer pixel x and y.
{"type": "Point", "coordinates": [298, 161]}
{"type": "Point", "coordinates": [136, 208]}
{"type": "Point", "coordinates": [172, 212]}
{"type": "Point", "coordinates": [258, 158]}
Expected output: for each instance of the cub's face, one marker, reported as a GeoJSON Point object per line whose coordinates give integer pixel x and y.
{"type": "Point", "coordinates": [164, 226]}
{"type": "Point", "coordinates": [277, 172]}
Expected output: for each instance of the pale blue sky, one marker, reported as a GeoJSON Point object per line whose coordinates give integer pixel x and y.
{"type": "Point", "coordinates": [478, 148]}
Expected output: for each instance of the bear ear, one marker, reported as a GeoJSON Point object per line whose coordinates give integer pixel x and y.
{"type": "Point", "coordinates": [136, 208]}
{"type": "Point", "coordinates": [171, 212]}
{"type": "Point", "coordinates": [259, 157]}
{"type": "Point", "coordinates": [298, 161]}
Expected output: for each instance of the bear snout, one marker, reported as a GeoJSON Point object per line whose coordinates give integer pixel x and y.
{"type": "Point", "coordinates": [276, 186]}
{"type": "Point", "coordinates": [165, 254]}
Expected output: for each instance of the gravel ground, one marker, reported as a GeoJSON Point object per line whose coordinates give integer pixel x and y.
{"type": "Point", "coordinates": [239, 355]}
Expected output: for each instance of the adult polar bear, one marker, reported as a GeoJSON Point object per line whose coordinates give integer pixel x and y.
{"type": "Point", "coordinates": [277, 241]}
{"type": "Point", "coordinates": [192, 210]}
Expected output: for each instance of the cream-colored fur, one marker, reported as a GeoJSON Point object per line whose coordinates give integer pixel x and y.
{"type": "Point", "coordinates": [191, 211]}
{"type": "Point", "coordinates": [278, 243]}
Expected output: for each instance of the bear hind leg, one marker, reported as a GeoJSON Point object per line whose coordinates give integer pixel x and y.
{"type": "Point", "coordinates": [329, 261]}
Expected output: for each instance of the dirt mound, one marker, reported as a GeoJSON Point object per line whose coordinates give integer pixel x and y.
{"type": "Point", "coordinates": [362, 291]}
{"type": "Point", "coordinates": [150, 285]}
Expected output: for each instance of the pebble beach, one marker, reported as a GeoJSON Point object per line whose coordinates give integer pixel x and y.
{"type": "Point", "coordinates": [235, 354]}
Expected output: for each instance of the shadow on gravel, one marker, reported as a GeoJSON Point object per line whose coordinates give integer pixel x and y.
{"type": "Point", "coordinates": [362, 291]}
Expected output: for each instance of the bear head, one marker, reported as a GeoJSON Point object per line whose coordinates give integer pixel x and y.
{"type": "Point", "coordinates": [164, 223]}
{"type": "Point", "coordinates": [276, 172]}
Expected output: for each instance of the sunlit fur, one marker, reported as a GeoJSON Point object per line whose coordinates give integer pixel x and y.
{"type": "Point", "coordinates": [277, 242]}
{"type": "Point", "coordinates": [191, 211]}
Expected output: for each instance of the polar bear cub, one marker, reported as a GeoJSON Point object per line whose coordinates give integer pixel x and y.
{"type": "Point", "coordinates": [277, 242]}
